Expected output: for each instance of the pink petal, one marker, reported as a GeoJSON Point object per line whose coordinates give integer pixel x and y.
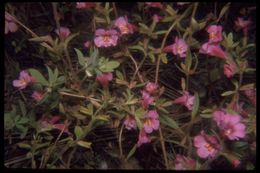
{"type": "Point", "coordinates": [203, 152]}
{"type": "Point", "coordinates": [199, 141]}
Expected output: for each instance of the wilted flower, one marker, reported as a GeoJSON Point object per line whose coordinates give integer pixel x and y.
{"type": "Point", "coordinates": [207, 146]}
{"type": "Point", "coordinates": [104, 78]}
{"type": "Point", "coordinates": [36, 95]}
{"type": "Point", "coordinates": [230, 69]}
{"type": "Point", "coordinates": [243, 24]}
{"type": "Point", "coordinates": [184, 163]}
{"type": "Point", "coordinates": [24, 80]}
{"type": "Point", "coordinates": [143, 138]}
{"type": "Point", "coordinates": [154, 4]}
{"type": "Point", "coordinates": [151, 87]}
{"type": "Point", "coordinates": [151, 121]}
{"type": "Point", "coordinates": [106, 38]}
{"type": "Point", "coordinates": [230, 125]}
{"type": "Point", "coordinates": [130, 123]}
{"type": "Point", "coordinates": [122, 24]}
{"type": "Point", "coordinates": [147, 99]}
{"type": "Point", "coordinates": [186, 99]}
{"type": "Point", "coordinates": [178, 48]}
{"type": "Point", "coordinates": [238, 108]}
{"type": "Point", "coordinates": [63, 32]}
{"type": "Point", "coordinates": [251, 94]}
{"type": "Point", "coordinates": [215, 33]}
{"type": "Point", "coordinates": [10, 25]}
{"type": "Point", "coordinates": [212, 50]}
{"type": "Point", "coordinates": [85, 4]}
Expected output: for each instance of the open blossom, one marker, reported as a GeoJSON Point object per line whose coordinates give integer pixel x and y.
{"type": "Point", "coordinates": [10, 25]}
{"type": "Point", "coordinates": [178, 48]}
{"type": "Point", "coordinates": [154, 4]}
{"type": "Point", "coordinates": [147, 99]}
{"type": "Point", "coordinates": [122, 24]}
{"type": "Point", "coordinates": [143, 138]}
{"type": "Point", "coordinates": [47, 122]}
{"type": "Point", "coordinates": [186, 99]}
{"type": "Point", "coordinates": [184, 163]}
{"type": "Point", "coordinates": [212, 50]}
{"type": "Point", "coordinates": [215, 33]}
{"type": "Point", "coordinates": [230, 125]}
{"type": "Point", "coordinates": [85, 4]}
{"type": "Point", "coordinates": [106, 38]}
{"type": "Point", "coordinates": [151, 121]}
{"type": "Point", "coordinates": [243, 24]}
{"type": "Point", "coordinates": [230, 69]}
{"type": "Point", "coordinates": [104, 78]}
{"type": "Point", "coordinates": [63, 32]}
{"type": "Point", "coordinates": [251, 94]}
{"type": "Point", "coordinates": [130, 123]}
{"type": "Point", "coordinates": [151, 87]}
{"type": "Point", "coordinates": [36, 95]}
{"type": "Point", "coordinates": [24, 80]}
{"type": "Point", "coordinates": [207, 146]}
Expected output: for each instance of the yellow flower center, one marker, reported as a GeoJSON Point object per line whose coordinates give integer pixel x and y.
{"type": "Point", "coordinates": [148, 122]}
{"type": "Point", "coordinates": [179, 49]}
{"type": "Point", "coordinates": [23, 82]}
{"type": "Point", "coordinates": [213, 35]}
{"type": "Point", "coordinates": [106, 38]}
{"type": "Point", "coordinates": [228, 132]}
{"type": "Point", "coordinates": [124, 29]}
{"type": "Point", "coordinates": [209, 147]}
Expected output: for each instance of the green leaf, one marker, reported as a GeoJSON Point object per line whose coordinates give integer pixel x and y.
{"type": "Point", "coordinates": [206, 111]}
{"type": "Point", "coordinates": [51, 76]}
{"type": "Point", "coordinates": [81, 58]}
{"type": "Point", "coordinates": [137, 47]}
{"type": "Point", "coordinates": [142, 25]}
{"type": "Point", "coordinates": [84, 144]}
{"type": "Point", "coordinates": [138, 122]}
{"type": "Point", "coordinates": [38, 76]}
{"type": "Point", "coordinates": [223, 11]}
{"type": "Point", "coordinates": [69, 38]}
{"type": "Point", "coordinates": [78, 132]}
{"type": "Point", "coordinates": [168, 121]}
{"type": "Point", "coordinates": [206, 115]}
{"type": "Point", "coordinates": [164, 58]}
{"type": "Point", "coordinates": [8, 121]}
{"type": "Point", "coordinates": [23, 120]}
{"type": "Point", "coordinates": [227, 93]}
{"type": "Point", "coordinates": [161, 32]}
{"type": "Point", "coordinates": [195, 106]}
{"type": "Point", "coordinates": [22, 107]}
{"type": "Point", "coordinates": [151, 56]}
{"type": "Point", "coordinates": [250, 166]}
{"type": "Point", "coordinates": [119, 75]}
{"type": "Point", "coordinates": [131, 152]}
{"type": "Point", "coordinates": [109, 66]}
{"type": "Point", "coordinates": [24, 146]}
{"type": "Point", "coordinates": [188, 61]}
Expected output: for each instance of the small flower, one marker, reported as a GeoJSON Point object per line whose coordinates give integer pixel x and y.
{"type": "Point", "coordinates": [151, 87]}
{"type": "Point", "coordinates": [106, 38]}
{"type": "Point", "coordinates": [143, 138]}
{"type": "Point", "coordinates": [122, 24]}
{"type": "Point", "coordinates": [184, 163]}
{"type": "Point", "coordinates": [104, 78]}
{"type": "Point", "coordinates": [212, 50]}
{"type": "Point", "coordinates": [37, 96]}
{"type": "Point", "coordinates": [157, 18]}
{"type": "Point", "coordinates": [251, 94]}
{"type": "Point", "coordinates": [186, 99]}
{"type": "Point", "coordinates": [178, 48]}
{"type": "Point", "coordinates": [207, 146]}
{"type": "Point", "coordinates": [215, 33]}
{"type": "Point", "coordinates": [230, 125]}
{"type": "Point", "coordinates": [62, 32]}
{"type": "Point", "coordinates": [243, 24]}
{"type": "Point", "coordinates": [154, 4]}
{"type": "Point", "coordinates": [87, 44]}
{"type": "Point", "coordinates": [130, 123]}
{"type": "Point", "coordinates": [24, 80]}
{"type": "Point", "coordinates": [50, 123]}
{"type": "Point", "coordinates": [230, 69]}
{"type": "Point", "coordinates": [10, 25]}
{"type": "Point", "coordinates": [151, 122]}
{"type": "Point", "coordinates": [85, 4]}
{"type": "Point", "coordinates": [236, 163]}
{"type": "Point", "coordinates": [146, 99]}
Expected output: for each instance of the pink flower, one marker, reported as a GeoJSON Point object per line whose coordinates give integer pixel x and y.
{"type": "Point", "coordinates": [104, 78]}
{"type": "Point", "coordinates": [10, 25]}
{"type": "Point", "coordinates": [243, 24]}
{"type": "Point", "coordinates": [212, 50]}
{"type": "Point", "coordinates": [87, 44]}
{"type": "Point", "coordinates": [143, 138]}
{"type": "Point", "coordinates": [122, 24]}
{"type": "Point", "coordinates": [229, 125]}
{"type": "Point", "coordinates": [151, 87]}
{"type": "Point", "coordinates": [154, 4]}
{"type": "Point", "coordinates": [46, 122]}
{"type": "Point", "coordinates": [37, 96]}
{"type": "Point", "coordinates": [236, 163]}
{"type": "Point", "coordinates": [62, 32]}
{"type": "Point", "coordinates": [146, 99]}
{"type": "Point", "coordinates": [215, 33]}
{"type": "Point", "coordinates": [207, 146]}
{"type": "Point", "coordinates": [151, 122]}
{"type": "Point", "coordinates": [186, 99]}
{"type": "Point", "coordinates": [106, 38]}
{"type": "Point", "coordinates": [230, 69]}
{"type": "Point", "coordinates": [184, 163]}
{"type": "Point", "coordinates": [24, 80]}
{"type": "Point", "coordinates": [251, 94]}
{"type": "Point", "coordinates": [85, 4]}
{"type": "Point", "coordinates": [130, 123]}
{"type": "Point", "coordinates": [157, 18]}
{"type": "Point", "coordinates": [178, 48]}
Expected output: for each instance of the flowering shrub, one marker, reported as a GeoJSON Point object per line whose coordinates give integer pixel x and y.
{"type": "Point", "coordinates": [149, 85]}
